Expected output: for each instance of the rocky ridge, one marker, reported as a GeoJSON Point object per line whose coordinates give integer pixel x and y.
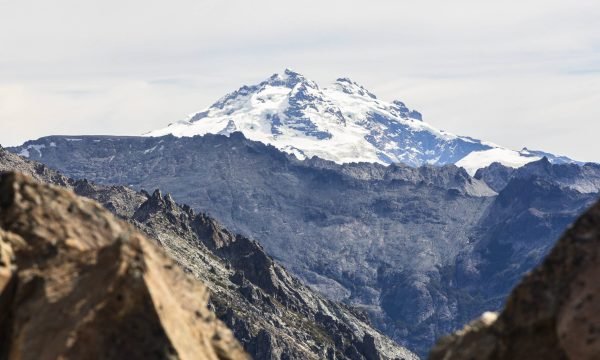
{"type": "Point", "coordinates": [270, 312]}
{"type": "Point", "coordinates": [584, 178]}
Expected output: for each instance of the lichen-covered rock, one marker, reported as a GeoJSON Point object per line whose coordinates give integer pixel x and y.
{"type": "Point", "coordinates": [554, 313]}
{"type": "Point", "coordinates": [76, 283]}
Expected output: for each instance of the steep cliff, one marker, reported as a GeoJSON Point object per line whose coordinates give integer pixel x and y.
{"type": "Point", "coordinates": [554, 312]}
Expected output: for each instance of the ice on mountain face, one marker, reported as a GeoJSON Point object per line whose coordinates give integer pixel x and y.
{"type": "Point", "coordinates": [26, 152]}
{"type": "Point", "coordinates": [555, 159]}
{"type": "Point", "coordinates": [480, 159]}
{"type": "Point", "coordinates": [343, 123]}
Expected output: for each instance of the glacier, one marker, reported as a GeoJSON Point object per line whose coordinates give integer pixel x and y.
{"type": "Point", "coordinates": [343, 123]}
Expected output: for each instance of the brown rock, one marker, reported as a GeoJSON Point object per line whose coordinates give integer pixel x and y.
{"type": "Point", "coordinates": [77, 283]}
{"type": "Point", "coordinates": [554, 313]}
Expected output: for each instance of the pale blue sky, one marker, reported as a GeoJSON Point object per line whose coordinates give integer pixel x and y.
{"type": "Point", "coordinates": [517, 73]}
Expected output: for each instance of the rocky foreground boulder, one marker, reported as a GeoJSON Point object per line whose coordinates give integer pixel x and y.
{"type": "Point", "coordinates": [76, 283]}
{"type": "Point", "coordinates": [554, 313]}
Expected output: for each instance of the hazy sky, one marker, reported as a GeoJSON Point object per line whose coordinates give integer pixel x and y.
{"type": "Point", "coordinates": [518, 73]}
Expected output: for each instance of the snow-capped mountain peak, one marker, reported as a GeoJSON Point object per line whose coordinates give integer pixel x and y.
{"type": "Point", "coordinates": [343, 122]}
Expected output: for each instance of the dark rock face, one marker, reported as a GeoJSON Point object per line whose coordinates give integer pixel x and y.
{"type": "Point", "coordinates": [496, 175]}
{"type": "Point", "coordinates": [584, 178]}
{"type": "Point", "coordinates": [272, 314]}
{"type": "Point", "coordinates": [421, 250]}
{"type": "Point", "coordinates": [77, 283]}
{"type": "Point", "coordinates": [553, 313]}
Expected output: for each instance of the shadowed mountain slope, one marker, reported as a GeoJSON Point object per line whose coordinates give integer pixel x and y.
{"type": "Point", "coordinates": [553, 313]}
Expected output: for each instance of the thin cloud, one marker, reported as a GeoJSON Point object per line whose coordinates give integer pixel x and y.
{"type": "Point", "coordinates": [518, 73]}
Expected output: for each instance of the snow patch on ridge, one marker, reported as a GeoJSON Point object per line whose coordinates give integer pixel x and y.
{"type": "Point", "coordinates": [26, 152]}
{"type": "Point", "coordinates": [480, 159]}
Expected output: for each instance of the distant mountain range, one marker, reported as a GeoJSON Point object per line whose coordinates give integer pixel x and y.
{"type": "Point", "coordinates": [422, 250]}
{"type": "Point", "coordinates": [344, 123]}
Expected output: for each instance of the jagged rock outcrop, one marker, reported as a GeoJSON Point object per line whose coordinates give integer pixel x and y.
{"type": "Point", "coordinates": [584, 178]}
{"type": "Point", "coordinates": [272, 314]}
{"type": "Point", "coordinates": [554, 313]}
{"type": "Point", "coordinates": [77, 283]}
{"type": "Point", "coordinates": [496, 175]}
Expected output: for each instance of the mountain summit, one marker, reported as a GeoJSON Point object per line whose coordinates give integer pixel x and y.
{"type": "Point", "coordinates": [344, 123]}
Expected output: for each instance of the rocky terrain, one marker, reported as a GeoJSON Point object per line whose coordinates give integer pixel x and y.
{"type": "Point", "coordinates": [77, 283]}
{"type": "Point", "coordinates": [553, 313]}
{"type": "Point", "coordinates": [421, 250]}
{"type": "Point", "coordinates": [583, 178]}
{"type": "Point", "coordinates": [272, 314]}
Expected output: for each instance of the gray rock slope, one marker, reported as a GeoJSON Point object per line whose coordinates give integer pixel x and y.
{"type": "Point", "coordinates": [272, 314]}
{"type": "Point", "coordinates": [552, 314]}
{"type": "Point", "coordinates": [421, 250]}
